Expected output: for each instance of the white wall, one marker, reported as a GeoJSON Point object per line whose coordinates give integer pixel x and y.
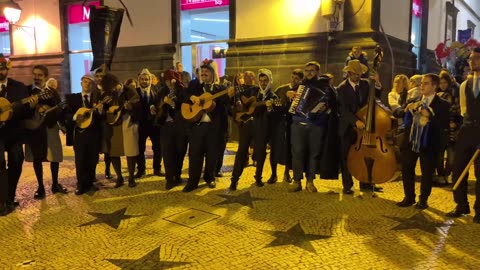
{"type": "Point", "coordinates": [464, 15]}
{"type": "Point", "coordinates": [44, 16]}
{"type": "Point", "coordinates": [436, 23]}
{"type": "Point", "coordinates": [395, 18]}
{"type": "Point", "coordinates": [269, 18]}
{"type": "Point", "coordinates": [152, 22]}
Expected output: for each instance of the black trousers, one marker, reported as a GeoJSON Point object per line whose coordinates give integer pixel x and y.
{"type": "Point", "coordinates": [306, 140]}
{"type": "Point", "coordinates": [148, 130]}
{"type": "Point", "coordinates": [172, 143]}
{"type": "Point", "coordinates": [221, 148]}
{"type": "Point", "coordinates": [428, 161]}
{"type": "Point", "coordinates": [245, 134]}
{"type": "Point", "coordinates": [465, 147]}
{"type": "Point", "coordinates": [204, 138]}
{"type": "Point", "coordinates": [345, 144]}
{"type": "Point", "coordinates": [260, 140]}
{"type": "Point", "coordinates": [9, 177]}
{"type": "Point", "coordinates": [86, 147]}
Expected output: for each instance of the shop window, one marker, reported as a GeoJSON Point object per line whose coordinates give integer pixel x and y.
{"type": "Point", "coordinates": [4, 36]}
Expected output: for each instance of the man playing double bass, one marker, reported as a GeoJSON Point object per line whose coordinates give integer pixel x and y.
{"type": "Point", "coordinates": [352, 96]}
{"type": "Point", "coordinates": [468, 140]}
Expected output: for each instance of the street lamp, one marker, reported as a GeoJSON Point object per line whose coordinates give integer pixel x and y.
{"type": "Point", "coordinates": [12, 12]}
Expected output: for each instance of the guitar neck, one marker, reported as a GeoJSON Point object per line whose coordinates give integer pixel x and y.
{"type": "Point", "coordinates": [219, 94]}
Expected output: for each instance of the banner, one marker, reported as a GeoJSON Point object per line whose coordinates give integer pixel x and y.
{"type": "Point", "coordinates": [105, 26]}
{"type": "Point", "coordinates": [464, 35]}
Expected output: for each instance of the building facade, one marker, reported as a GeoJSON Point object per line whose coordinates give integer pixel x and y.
{"type": "Point", "coordinates": [239, 35]}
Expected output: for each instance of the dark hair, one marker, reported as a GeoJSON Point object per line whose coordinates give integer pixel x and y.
{"type": "Point", "coordinates": [98, 70]}
{"type": "Point", "coordinates": [313, 63]}
{"type": "Point", "coordinates": [43, 68]}
{"type": "Point", "coordinates": [434, 77]}
{"type": "Point", "coordinates": [298, 72]}
{"type": "Point", "coordinates": [109, 82]}
{"type": "Point", "coordinates": [446, 76]}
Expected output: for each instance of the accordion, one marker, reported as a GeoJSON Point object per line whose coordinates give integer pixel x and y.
{"type": "Point", "coordinates": [307, 100]}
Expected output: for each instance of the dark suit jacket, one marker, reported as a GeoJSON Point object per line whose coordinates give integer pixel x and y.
{"type": "Point", "coordinates": [145, 115]}
{"type": "Point", "coordinates": [438, 124]}
{"type": "Point", "coordinates": [16, 91]}
{"type": "Point", "coordinates": [348, 105]}
{"type": "Point", "coordinates": [75, 102]}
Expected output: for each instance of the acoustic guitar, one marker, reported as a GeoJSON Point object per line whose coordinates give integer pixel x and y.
{"type": "Point", "coordinates": [162, 109]}
{"type": "Point", "coordinates": [250, 104]}
{"type": "Point", "coordinates": [42, 113]}
{"type": "Point", "coordinates": [193, 112]}
{"type": "Point", "coordinates": [87, 114]}
{"type": "Point", "coordinates": [6, 108]}
{"type": "Point", "coordinates": [115, 112]}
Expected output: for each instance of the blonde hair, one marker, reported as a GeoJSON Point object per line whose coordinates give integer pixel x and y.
{"type": "Point", "coordinates": [404, 80]}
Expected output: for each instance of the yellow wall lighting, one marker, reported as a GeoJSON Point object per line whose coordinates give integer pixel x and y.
{"type": "Point", "coordinates": [297, 15]}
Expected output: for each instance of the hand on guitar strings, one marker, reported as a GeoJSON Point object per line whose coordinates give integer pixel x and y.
{"type": "Point", "coordinates": [195, 99]}
{"type": "Point", "coordinates": [80, 118]}
{"type": "Point", "coordinates": [128, 106]}
{"type": "Point", "coordinates": [153, 110]}
{"type": "Point", "coordinates": [169, 101]}
{"type": "Point", "coordinates": [99, 107]}
{"type": "Point", "coordinates": [33, 101]}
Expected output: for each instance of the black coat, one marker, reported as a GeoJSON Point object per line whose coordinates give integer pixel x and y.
{"type": "Point", "coordinates": [16, 91]}
{"type": "Point", "coordinates": [75, 102]}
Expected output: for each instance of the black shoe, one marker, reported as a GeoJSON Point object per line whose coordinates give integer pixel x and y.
{"type": "Point", "coordinates": [368, 187]}
{"type": "Point", "coordinates": [259, 183]}
{"type": "Point", "coordinates": [59, 189]}
{"type": "Point", "coordinates": [132, 183]}
{"type": "Point", "coordinates": [272, 180]}
{"type": "Point", "coordinates": [218, 174]}
{"type": "Point", "coordinates": [476, 218]}
{"type": "Point", "coordinates": [211, 184]}
{"type": "Point", "coordinates": [108, 175]}
{"type": "Point", "coordinates": [157, 173]}
{"type": "Point", "coordinates": [170, 184]}
{"type": "Point", "coordinates": [421, 205]}
{"type": "Point", "coordinates": [348, 191]}
{"type": "Point", "coordinates": [40, 194]}
{"type": "Point", "coordinates": [140, 174]}
{"type": "Point", "coordinates": [119, 183]}
{"type": "Point", "coordinates": [406, 203]}
{"type": "Point", "coordinates": [458, 213]}
{"type": "Point", "coordinates": [178, 180]}
{"type": "Point", "coordinates": [5, 210]}
{"type": "Point", "coordinates": [189, 188]}
{"type": "Point", "coordinates": [233, 186]}
{"type": "Point", "coordinates": [287, 178]}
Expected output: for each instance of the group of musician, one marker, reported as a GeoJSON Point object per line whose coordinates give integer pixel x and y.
{"type": "Point", "coordinates": [308, 125]}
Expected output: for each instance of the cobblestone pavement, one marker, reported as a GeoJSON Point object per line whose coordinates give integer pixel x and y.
{"type": "Point", "coordinates": [252, 228]}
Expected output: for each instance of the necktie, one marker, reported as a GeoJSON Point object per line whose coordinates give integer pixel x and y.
{"type": "Point", "coordinates": [86, 101]}
{"type": "Point", "coordinates": [357, 93]}
{"type": "Point", "coordinates": [3, 91]}
{"type": "Point", "coordinates": [476, 91]}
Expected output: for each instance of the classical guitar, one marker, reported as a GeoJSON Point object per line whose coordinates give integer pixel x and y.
{"type": "Point", "coordinates": [87, 114]}
{"type": "Point", "coordinates": [162, 109]}
{"type": "Point", "coordinates": [193, 112]}
{"type": "Point", "coordinates": [115, 112]}
{"type": "Point", "coordinates": [42, 113]}
{"type": "Point", "coordinates": [6, 108]}
{"type": "Point", "coordinates": [250, 104]}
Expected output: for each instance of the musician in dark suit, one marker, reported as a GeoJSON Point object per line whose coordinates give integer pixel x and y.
{"type": "Point", "coordinates": [86, 142]}
{"type": "Point", "coordinates": [147, 129]}
{"type": "Point", "coordinates": [308, 131]}
{"type": "Point", "coordinates": [172, 127]}
{"type": "Point", "coordinates": [352, 95]}
{"type": "Point", "coordinates": [11, 137]}
{"type": "Point", "coordinates": [468, 140]}
{"type": "Point", "coordinates": [43, 143]}
{"type": "Point", "coordinates": [426, 117]}
{"type": "Point", "coordinates": [205, 134]}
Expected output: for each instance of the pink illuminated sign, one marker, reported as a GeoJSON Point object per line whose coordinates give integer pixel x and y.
{"type": "Point", "coordinates": [3, 25]}
{"type": "Point", "coordinates": [198, 4]}
{"type": "Point", "coordinates": [80, 14]}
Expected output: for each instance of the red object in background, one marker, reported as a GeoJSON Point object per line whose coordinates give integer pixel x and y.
{"type": "Point", "coordinates": [198, 4]}
{"type": "Point", "coordinates": [80, 14]}
{"type": "Point", "coordinates": [417, 8]}
{"type": "Point", "coordinates": [3, 25]}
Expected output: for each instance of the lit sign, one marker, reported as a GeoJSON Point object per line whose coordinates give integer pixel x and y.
{"type": "Point", "coordinates": [3, 25]}
{"type": "Point", "coordinates": [198, 4]}
{"type": "Point", "coordinates": [80, 14]}
{"type": "Point", "coordinates": [417, 8]}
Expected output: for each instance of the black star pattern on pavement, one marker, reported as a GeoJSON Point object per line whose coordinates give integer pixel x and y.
{"type": "Point", "coordinates": [420, 222]}
{"type": "Point", "coordinates": [295, 236]}
{"type": "Point", "coordinates": [244, 198]}
{"type": "Point", "coordinates": [113, 219]}
{"type": "Point", "coordinates": [150, 260]}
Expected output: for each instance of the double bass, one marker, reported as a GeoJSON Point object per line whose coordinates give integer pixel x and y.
{"type": "Point", "coordinates": [371, 160]}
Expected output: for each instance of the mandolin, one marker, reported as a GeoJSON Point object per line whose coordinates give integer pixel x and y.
{"type": "Point", "coordinates": [6, 108]}
{"type": "Point", "coordinates": [87, 114]}
{"type": "Point", "coordinates": [250, 104]}
{"type": "Point", "coordinates": [115, 112]}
